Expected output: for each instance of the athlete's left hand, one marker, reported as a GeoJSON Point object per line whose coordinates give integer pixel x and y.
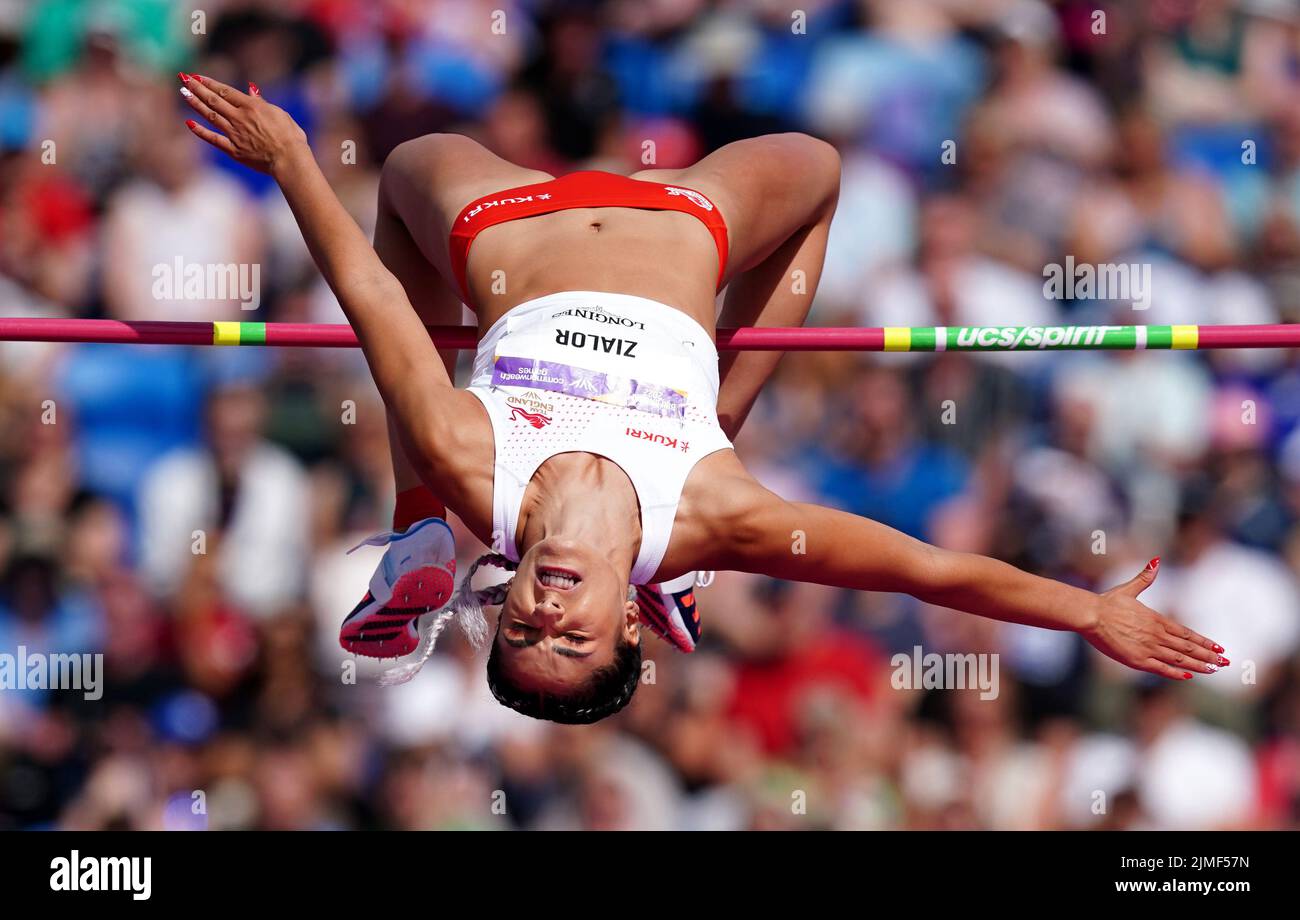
{"type": "Point", "coordinates": [1132, 633]}
{"type": "Point", "coordinates": [253, 131]}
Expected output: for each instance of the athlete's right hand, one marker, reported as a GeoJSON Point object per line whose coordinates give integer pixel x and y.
{"type": "Point", "coordinates": [1132, 633]}
{"type": "Point", "coordinates": [253, 131]}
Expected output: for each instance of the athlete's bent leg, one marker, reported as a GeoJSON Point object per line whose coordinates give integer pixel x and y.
{"type": "Point", "coordinates": [778, 194]}
{"type": "Point", "coordinates": [779, 218]}
{"type": "Point", "coordinates": [778, 291]}
{"type": "Point", "coordinates": [417, 573]}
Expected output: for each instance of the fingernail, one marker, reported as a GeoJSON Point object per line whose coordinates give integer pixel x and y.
{"type": "Point", "coordinates": [1153, 564]}
{"type": "Point", "coordinates": [190, 123]}
{"type": "Point", "coordinates": [1218, 648]}
{"type": "Point", "coordinates": [1224, 662]}
{"type": "Point", "coordinates": [1186, 676]}
{"type": "Point", "coordinates": [186, 93]}
{"type": "Point", "coordinates": [1211, 669]}
{"type": "Point", "coordinates": [185, 78]}
{"type": "Point", "coordinates": [253, 90]}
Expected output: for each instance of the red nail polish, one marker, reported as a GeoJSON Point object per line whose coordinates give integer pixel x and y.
{"type": "Point", "coordinates": [253, 90]}
{"type": "Point", "coordinates": [1218, 648]}
{"type": "Point", "coordinates": [1186, 676]}
{"type": "Point", "coordinates": [190, 123]}
{"type": "Point", "coordinates": [185, 78]}
{"type": "Point", "coordinates": [1223, 662]}
{"type": "Point", "coordinates": [1154, 563]}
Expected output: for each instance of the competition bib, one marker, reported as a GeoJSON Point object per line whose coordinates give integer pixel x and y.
{"type": "Point", "coordinates": [597, 354]}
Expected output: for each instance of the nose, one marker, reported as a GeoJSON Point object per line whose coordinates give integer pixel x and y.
{"type": "Point", "coordinates": [549, 607]}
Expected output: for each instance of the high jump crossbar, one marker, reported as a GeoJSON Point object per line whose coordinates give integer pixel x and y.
{"type": "Point", "coordinates": [885, 339]}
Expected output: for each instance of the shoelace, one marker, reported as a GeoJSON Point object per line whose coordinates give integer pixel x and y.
{"type": "Point", "coordinates": [379, 539]}
{"type": "Point", "coordinates": [466, 607]}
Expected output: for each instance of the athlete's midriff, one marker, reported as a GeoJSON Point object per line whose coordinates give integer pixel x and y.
{"type": "Point", "coordinates": [658, 255]}
{"type": "Point", "coordinates": [656, 248]}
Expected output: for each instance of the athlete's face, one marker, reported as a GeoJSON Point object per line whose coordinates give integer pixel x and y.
{"type": "Point", "coordinates": [566, 611]}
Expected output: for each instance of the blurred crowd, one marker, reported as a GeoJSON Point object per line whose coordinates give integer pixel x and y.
{"type": "Point", "coordinates": [187, 512]}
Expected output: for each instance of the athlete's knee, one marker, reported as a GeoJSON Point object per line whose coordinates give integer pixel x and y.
{"type": "Point", "coordinates": [823, 164]}
{"type": "Point", "coordinates": [417, 161]}
{"type": "Point", "coordinates": [425, 152]}
{"type": "Point", "coordinates": [811, 163]}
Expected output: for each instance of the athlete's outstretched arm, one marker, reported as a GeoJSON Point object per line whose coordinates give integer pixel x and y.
{"type": "Point", "coordinates": [403, 361]}
{"type": "Point", "coordinates": [765, 534]}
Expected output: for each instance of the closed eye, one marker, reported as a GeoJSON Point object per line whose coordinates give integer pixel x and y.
{"type": "Point", "coordinates": [531, 636]}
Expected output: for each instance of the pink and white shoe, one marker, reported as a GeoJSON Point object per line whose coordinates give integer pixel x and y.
{"type": "Point", "coordinates": [670, 611]}
{"type": "Point", "coordinates": [417, 575]}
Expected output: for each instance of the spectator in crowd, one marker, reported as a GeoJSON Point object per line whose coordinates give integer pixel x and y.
{"type": "Point", "coordinates": [239, 498]}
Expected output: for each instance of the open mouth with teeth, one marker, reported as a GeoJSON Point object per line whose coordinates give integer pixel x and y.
{"type": "Point", "coordinates": [559, 579]}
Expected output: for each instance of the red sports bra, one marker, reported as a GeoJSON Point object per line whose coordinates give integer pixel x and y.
{"type": "Point", "coordinates": [587, 189]}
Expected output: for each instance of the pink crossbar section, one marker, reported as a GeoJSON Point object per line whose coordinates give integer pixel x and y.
{"type": "Point", "coordinates": [309, 335]}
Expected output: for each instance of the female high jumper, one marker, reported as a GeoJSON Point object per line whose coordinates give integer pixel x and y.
{"type": "Point", "coordinates": [592, 449]}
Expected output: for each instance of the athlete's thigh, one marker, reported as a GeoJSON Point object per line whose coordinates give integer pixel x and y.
{"type": "Point", "coordinates": [434, 300]}
{"type": "Point", "coordinates": [427, 181]}
{"type": "Point", "coordinates": [767, 189]}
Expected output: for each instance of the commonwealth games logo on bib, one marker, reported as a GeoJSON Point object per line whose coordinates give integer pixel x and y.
{"type": "Point", "coordinates": [554, 377]}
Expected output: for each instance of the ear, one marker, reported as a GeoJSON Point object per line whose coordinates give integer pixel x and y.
{"type": "Point", "coordinates": [631, 622]}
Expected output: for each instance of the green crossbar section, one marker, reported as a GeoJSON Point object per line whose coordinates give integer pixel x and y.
{"type": "Point", "coordinates": [1039, 338]}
